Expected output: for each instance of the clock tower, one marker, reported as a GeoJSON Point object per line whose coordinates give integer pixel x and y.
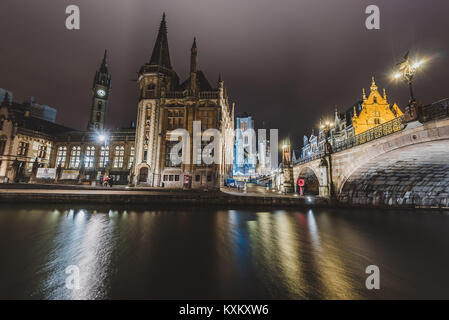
{"type": "Point", "coordinates": [100, 96]}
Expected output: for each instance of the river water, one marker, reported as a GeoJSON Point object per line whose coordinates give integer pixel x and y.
{"type": "Point", "coordinates": [220, 254]}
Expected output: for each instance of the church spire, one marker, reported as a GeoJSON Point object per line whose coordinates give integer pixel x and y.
{"type": "Point", "coordinates": [104, 63]}
{"type": "Point", "coordinates": [161, 54]}
{"type": "Point", "coordinates": [193, 66]}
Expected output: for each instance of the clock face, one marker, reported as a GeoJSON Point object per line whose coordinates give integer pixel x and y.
{"type": "Point", "coordinates": [101, 93]}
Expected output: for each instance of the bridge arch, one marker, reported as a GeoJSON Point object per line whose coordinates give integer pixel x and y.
{"type": "Point", "coordinates": [347, 162]}
{"type": "Point", "coordinates": [312, 184]}
{"type": "Point", "coordinates": [413, 175]}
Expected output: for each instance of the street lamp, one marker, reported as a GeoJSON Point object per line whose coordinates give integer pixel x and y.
{"type": "Point", "coordinates": [407, 70]}
{"type": "Point", "coordinates": [326, 127]}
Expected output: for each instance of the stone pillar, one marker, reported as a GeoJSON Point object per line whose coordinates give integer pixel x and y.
{"type": "Point", "coordinates": [324, 187]}
{"type": "Point", "coordinates": [288, 179]}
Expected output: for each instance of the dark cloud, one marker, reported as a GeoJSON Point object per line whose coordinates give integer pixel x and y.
{"type": "Point", "coordinates": [287, 62]}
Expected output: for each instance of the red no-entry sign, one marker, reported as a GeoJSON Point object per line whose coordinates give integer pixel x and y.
{"type": "Point", "coordinates": [301, 184]}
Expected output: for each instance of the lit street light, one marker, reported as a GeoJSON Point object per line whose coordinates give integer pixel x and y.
{"type": "Point", "coordinates": [407, 70]}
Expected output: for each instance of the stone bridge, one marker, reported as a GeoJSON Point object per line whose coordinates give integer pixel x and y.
{"type": "Point", "coordinates": [406, 168]}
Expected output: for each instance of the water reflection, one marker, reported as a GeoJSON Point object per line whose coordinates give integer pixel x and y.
{"type": "Point", "coordinates": [227, 254]}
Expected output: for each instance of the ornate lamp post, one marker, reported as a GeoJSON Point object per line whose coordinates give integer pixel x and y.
{"type": "Point", "coordinates": [407, 71]}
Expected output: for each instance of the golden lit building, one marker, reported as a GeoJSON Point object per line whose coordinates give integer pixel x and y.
{"type": "Point", "coordinates": [375, 111]}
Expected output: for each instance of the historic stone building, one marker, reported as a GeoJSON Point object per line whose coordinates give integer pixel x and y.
{"type": "Point", "coordinates": [25, 139]}
{"type": "Point", "coordinates": [375, 111]}
{"type": "Point", "coordinates": [366, 114]}
{"type": "Point", "coordinates": [29, 140]}
{"type": "Point", "coordinates": [137, 155]}
{"type": "Point", "coordinates": [86, 156]}
{"type": "Point", "coordinates": [166, 104]}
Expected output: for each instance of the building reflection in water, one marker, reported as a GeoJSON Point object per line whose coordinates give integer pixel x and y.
{"type": "Point", "coordinates": [228, 254]}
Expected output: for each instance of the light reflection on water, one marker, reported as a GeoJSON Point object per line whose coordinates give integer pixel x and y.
{"type": "Point", "coordinates": [221, 254]}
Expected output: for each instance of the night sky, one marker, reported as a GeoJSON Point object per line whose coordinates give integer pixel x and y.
{"type": "Point", "coordinates": [287, 62]}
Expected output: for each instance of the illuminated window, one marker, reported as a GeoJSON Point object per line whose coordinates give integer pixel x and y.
{"type": "Point", "coordinates": [23, 149]}
{"type": "Point", "coordinates": [119, 156]}
{"type": "Point", "coordinates": [90, 157]}
{"type": "Point", "coordinates": [75, 157]}
{"type": "Point", "coordinates": [132, 152]}
{"type": "Point", "coordinates": [61, 156]}
{"type": "Point", "coordinates": [104, 156]}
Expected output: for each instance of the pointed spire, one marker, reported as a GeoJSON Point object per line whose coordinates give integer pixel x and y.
{"type": "Point", "coordinates": [104, 63]}
{"type": "Point", "coordinates": [385, 95]}
{"type": "Point", "coordinates": [194, 57]}
{"type": "Point", "coordinates": [373, 85]}
{"type": "Point", "coordinates": [5, 101]}
{"type": "Point", "coordinates": [220, 82]}
{"type": "Point", "coordinates": [161, 54]}
{"type": "Point", "coordinates": [363, 94]}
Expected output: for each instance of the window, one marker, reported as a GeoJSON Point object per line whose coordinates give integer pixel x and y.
{"type": "Point", "coordinates": [206, 118]}
{"type": "Point", "coordinates": [98, 116]}
{"type": "Point", "coordinates": [168, 152]}
{"type": "Point", "coordinates": [165, 177]}
{"type": "Point", "coordinates": [23, 148]}
{"type": "Point", "coordinates": [42, 152]}
{"type": "Point", "coordinates": [61, 156]}
{"type": "Point", "coordinates": [175, 119]}
{"type": "Point", "coordinates": [170, 177]}
{"type": "Point", "coordinates": [119, 156]}
{"type": "Point", "coordinates": [376, 121]}
{"type": "Point", "coordinates": [145, 154]}
{"type": "Point", "coordinates": [151, 86]}
{"type": "Point", "coordinates": [90, 157]}
{"type": "Point", "coordinates": [104, 156]}
{"type": "Point", "coordinates": [75, 157]}
{"type": "Point", "coordinates": [2, 146]}
{"type": "Point", "coordinates": [177, 177]}
{"type": "Point", "coordinates": [132, 152]}
{"type": "Point", "coordinates": [100, 104]}
{"type": "Point", "coordinates": [209, 178]}
{"type": "Point", "coordinates": [197, 178]}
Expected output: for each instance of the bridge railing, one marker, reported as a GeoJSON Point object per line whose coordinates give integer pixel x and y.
{"type": "Point", "coordinates": [436, 110]}
{"type": "Point", "coordinates": [380, 131]}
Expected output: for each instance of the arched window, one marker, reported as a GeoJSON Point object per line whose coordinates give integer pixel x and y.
{"type": "Point", "coordinates": [75, 157]}
{"type": "Point", "coordinates": [90, 157]}
{"type": "Point", "coordinates": [119, 155]}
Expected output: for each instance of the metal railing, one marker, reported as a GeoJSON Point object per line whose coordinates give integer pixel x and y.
{"type": "Point", "coordinates": [377, 132]}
